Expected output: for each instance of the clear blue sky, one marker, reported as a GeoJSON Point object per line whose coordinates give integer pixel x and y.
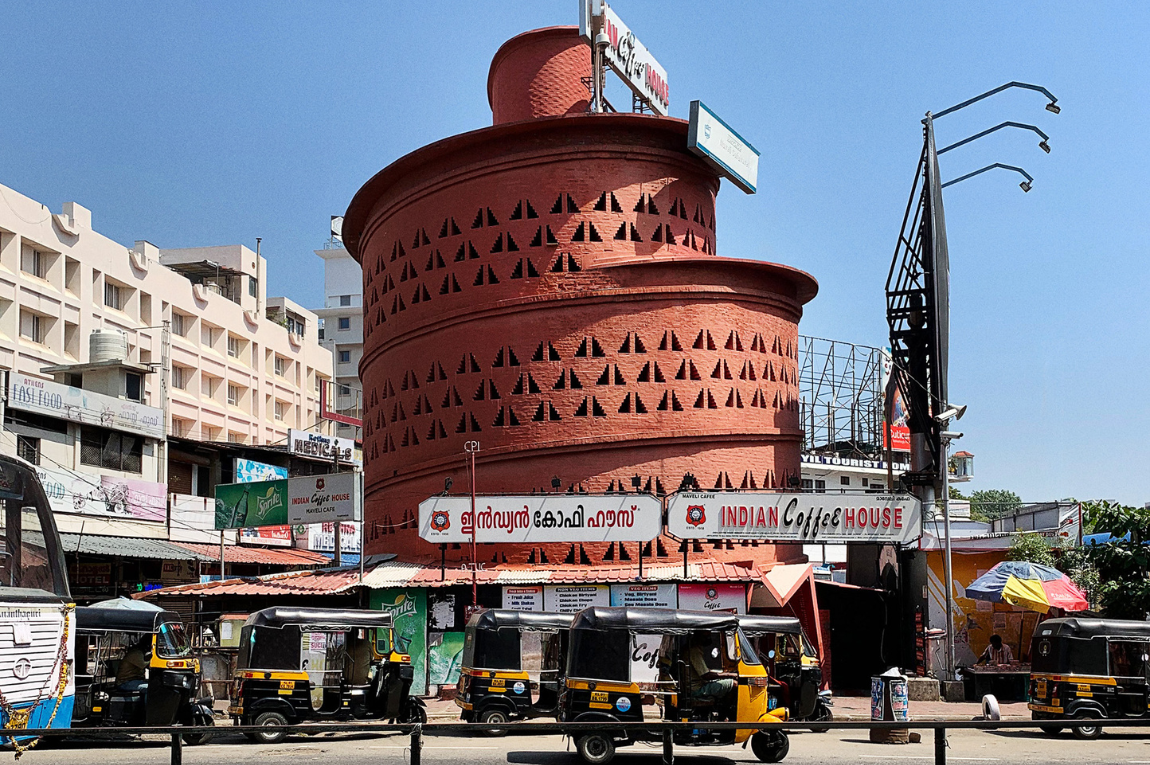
{"type": "Point", "coordinates": [214, 123]}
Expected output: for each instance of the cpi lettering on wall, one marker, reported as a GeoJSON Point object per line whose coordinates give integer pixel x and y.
{"type": "Point", "coordinates": [834, 518]}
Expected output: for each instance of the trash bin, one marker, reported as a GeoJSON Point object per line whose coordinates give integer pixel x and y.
{"type": "Point", "coordinates": [889, 702]}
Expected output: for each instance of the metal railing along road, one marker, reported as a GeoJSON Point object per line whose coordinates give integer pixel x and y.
{"type": "Point", "coordinates": [416, 732]}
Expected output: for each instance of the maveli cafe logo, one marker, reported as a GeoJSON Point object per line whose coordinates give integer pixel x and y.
{"type": "Point", "coordinates": [696, 515]}
{"type": "Point", "coordinates": [440, 520]}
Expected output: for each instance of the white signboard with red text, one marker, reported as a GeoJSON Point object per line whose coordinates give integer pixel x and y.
{"type": "Point", "coordinates": [628, 57]}
{"type": "Point", "coordinates": [832, 518]}
{"type": "Point", "coordinates": [542, 518]}
{"type": "Point", "coordinates": [325, 498]}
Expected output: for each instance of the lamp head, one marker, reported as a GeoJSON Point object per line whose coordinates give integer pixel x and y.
{"type": "Point", "coordinates": [1025, 185]}
{"type": "Point", "coordinates": [1044, 146]}
{"type": "Point", "coordinates": [1053, 107]}
{"type": "Point", "coordinates": [556, 483]}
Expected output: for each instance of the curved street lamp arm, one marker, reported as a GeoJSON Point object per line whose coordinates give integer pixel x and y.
{"type": "Point", "coordinates": [989, 93]}
{"type": "Point", "coordinates": [976, 136]}
{"type": "Point", "coordinates": [1029, 178]}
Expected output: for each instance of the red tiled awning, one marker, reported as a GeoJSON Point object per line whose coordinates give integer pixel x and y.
{"type": "Point", "coordinates": [286, 556]}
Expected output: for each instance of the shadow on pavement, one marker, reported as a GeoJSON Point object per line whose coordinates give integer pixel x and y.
{"type": "Point", "coordinates": [628, 754]}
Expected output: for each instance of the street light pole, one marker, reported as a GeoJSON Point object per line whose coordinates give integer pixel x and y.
{"type": "Point", "coordinates": [471, 447]}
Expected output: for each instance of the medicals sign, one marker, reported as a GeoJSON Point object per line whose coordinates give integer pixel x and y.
{"type": "Point", "coordinates": [542, 518]}
{"type": "Point", "coordinates": [722, 148]}
{"type": "Point", "coordinates": [834, 518]}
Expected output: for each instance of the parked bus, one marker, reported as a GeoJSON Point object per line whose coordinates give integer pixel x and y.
{"type": "Point", "coordinates": [37, 620]}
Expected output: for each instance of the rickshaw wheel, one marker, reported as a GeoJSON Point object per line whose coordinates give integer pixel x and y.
{"type": "Point", "coordinates": [1087, 732]}
{"type": "Point", "coordinates": [416, 714]}
{"type": "Point", "coordinates": [595, 748]}
{"type": "Point", "coordinates": [494, 716]}
{"type": "Point", "coordinates": [822, 714]}
{"type": "Point", "coordinates": [270, 718]}
{"type": "Point", "coordinates": [770, 746]}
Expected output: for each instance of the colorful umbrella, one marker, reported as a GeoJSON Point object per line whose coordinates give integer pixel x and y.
{"type": "Point", "coordinates": [1030, 585]}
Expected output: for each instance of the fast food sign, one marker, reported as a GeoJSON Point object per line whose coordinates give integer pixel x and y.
{"type": "Point", "coordinates": [542, 518]}
{"type": "Point", "coordinates": [834, 518]}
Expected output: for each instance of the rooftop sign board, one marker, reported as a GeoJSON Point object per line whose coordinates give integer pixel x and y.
{"type": "Point", "coordinates": [306, 499]}
{"type": "Point", "coordinates": [86, 407]}
{"type": "Point", "coordinates": [832, 518]}
{"type": "Point", "coordinates": [310, 444]}
{"type": "Point", "coordinates": [628, 57]}
{"type": "Point", "coordinates": [722, 148]}
{"type": "Point", "coordinates": [542, 518]}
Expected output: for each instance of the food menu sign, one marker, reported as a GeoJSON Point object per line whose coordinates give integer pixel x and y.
{"type": "Point", "coordinates": [542, 518]}
{"type": "Point", "coordinates": [31, 394]}
{"type": "Point", "coordinates": [833, 518]}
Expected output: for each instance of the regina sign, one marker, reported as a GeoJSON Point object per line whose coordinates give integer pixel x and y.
{"type": "Point", "coordinates": [542, 518]}
{"type": "Point", "coordinates": [836, 518]}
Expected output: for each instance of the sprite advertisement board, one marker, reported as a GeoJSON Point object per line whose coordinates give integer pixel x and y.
{"type": "Point", "coordinates": [246, 505]}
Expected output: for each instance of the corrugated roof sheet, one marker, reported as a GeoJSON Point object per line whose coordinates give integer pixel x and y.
{"type": "Point", "coordinates": [284, 556]}
{"type": "Point", "coordinates": [125, 547]}
{"type": "Point", "coordinates": [323, 581]}
{"type": "Point", "coordinates": [391, 573]}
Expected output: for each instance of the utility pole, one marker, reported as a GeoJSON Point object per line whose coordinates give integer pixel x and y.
{"type": "Point", "coordinates": [471, 447]}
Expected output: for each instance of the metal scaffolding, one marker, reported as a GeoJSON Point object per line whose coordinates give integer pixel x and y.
{"type": "Point", "coordinates": [841, 397]}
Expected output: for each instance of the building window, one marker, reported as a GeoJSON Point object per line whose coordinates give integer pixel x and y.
{"type": "Point", "coordinates": [112, 450]}
{"type": "Point", "coordinates": [281, 366]}
{"type": "Point", "coordinates": [235, 438]}
{"type": "Point", "coordinates": [31, 327]}
{"type": "Point", "coordinates": [820, 486]}
{"type": "Point", "coordinates": [181, 377]}
{"type": "Point", "coordinates": [279, 410]}
{"type": "Point", "coordinates": [134, 386]}
{"type": "Point", "coordinates": [112, 295]}
{"type": "Point", "coordinates": [808, 484]}
{"type": "Point", "coordinates": [180, 324]}
{"type": "Point", "coordinates": [865, 483]}
{"type": "Point", "coordinates": [344, 301]}
{"type": "Point", "coordinates": [845, 480]}
{"type": "Point", "coordinates": [344, 357]}
{"type": "Point", "coordinates": [253, 286]}
{"type": "Point", "coordinates": [233, 395]}
{"type": "Point", "coordinates": [233, 346]}
{"type": "Point", "coordinates": [344, 322]}
{"type": "Point", "coordinates": [33, 262]}
{"type": "Point", "coordinates": [345, 390]}
{"type": "Point", "coordinates": [295, 326]}
{"type": "Point", "coordinates": [28, 448]}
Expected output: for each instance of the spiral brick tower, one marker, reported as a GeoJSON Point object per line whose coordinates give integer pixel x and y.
{"type": "Point", "coordinates": [551, 287]}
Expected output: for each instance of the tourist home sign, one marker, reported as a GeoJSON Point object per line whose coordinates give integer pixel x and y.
{"type": "Point", "coordinates": [542, 518]}
{"type": "Point", "coordinates": [834, 518]}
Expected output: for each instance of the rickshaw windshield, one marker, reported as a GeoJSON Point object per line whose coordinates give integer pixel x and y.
{"type": "Point", "coordinates": [492, 649]}
{"type": "Point", "coordinates": [383, 641]}
{"type": "Point", "coordinates": [172, 642]}
{"type": "Point", "coordinates": [600, 655]}
{"type": "Point", "coordinates": [749, 655]}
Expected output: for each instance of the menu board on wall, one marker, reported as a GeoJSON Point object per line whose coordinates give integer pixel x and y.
{"type": "Point", "coordinates": [645, 595]}
{"type": "Point", "coordinates": [523, 598]}
{"type": "Point", "coordinates": [570, 599]}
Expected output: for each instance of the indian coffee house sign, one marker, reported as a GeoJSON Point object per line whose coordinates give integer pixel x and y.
{"type": "Point", "coordinates": [306, 499]}
{"type": "Point", "coordinates": [31, 394]}
{"type": "Point", "coordinates": [834, 518]}
{"type": "Point", "coordinates": [722, 148]}
{"type": "Point", "coordinates": [628, 57]}
{"type": "Point", "coordinates": [542, 518]}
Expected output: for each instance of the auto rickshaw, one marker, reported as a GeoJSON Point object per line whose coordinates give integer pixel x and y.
{"type": "Point", "coordinates": [697, 666]}
{"type": "Point", "coordinates": [792, 661]}
{"type": "Point", "coordinates": [1089, 669]}
{"type": "Point", "coordinates": [112, 641]}
{"type": "Point", "coordinates": [513, 664]}
{"type": "Point", "coordinates": [301, 664]}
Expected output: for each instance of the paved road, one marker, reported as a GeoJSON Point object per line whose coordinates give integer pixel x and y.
{"type": "Point", "coordinates": [970, 746]}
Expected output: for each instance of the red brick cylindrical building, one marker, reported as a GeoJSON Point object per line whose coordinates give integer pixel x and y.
{"type": "Point", "coordinates": [551, 287]}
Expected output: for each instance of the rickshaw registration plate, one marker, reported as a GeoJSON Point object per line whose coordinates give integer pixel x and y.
{"type": "Point", "coordinates": [286, 687]}
{"type": "Point", "coordinates": [1040, 688]}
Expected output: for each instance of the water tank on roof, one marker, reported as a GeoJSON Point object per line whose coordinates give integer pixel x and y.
{"type": "Point", "coordinates": [107, 345]}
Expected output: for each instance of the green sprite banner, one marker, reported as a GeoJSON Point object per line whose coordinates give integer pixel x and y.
{"type": "Point", "coordinates": [246, 505]}
{"type": "Point", "coordinates": [409, 609]}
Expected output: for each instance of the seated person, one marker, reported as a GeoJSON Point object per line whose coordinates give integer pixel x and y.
{"type": "Point", "coordinates": [707, 681]}
{"type": "Point", "coordinates": [132, 674]}
{"type": "Point", "coordinates": [997, 652]}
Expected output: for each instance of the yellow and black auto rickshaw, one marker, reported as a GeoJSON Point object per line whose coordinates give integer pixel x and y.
{"type": "Point", "coordinates": [301, 664]}
{"type": "Point", "coordinates": [513, 663]}
{"type": "Point", "coordinates": [696, 666]}
{"type": "Point", "coordinates": [135, 667]}
{"type": "Point", "coordinates": [791, 660]}
{"type": "Point", "coordinates": [1089, 669]}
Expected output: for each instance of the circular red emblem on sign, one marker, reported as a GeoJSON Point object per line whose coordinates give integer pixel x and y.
{"type": "Point", "coordinates": [440, 520]}
{"type": "Point", "coordinates": [696, 516]}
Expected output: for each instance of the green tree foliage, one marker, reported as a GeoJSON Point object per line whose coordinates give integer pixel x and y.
{"type": "Point", "coordinates": [1123, 565]}
{"type": "Point", "coordinates": [1033, 548]}
{"type": "Point", "coordinates": [993, 503]}
{"type": "Point", "coordinates": [955, 493]}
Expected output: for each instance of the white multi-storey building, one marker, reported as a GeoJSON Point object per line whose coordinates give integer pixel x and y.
{"type": "Point", "coordinates": [240, 367]}
{"type": "Point", "coordinates": [342, 318]}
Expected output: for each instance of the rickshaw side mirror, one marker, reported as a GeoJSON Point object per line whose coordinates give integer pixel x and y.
{"type": "Point", "coordinates": [770, 654]}
{"type": "Point", "coordinates": [714, 653]}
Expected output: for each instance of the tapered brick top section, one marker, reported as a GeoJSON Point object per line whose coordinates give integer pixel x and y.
{"type": "Point", "coordinates": [539, 74]}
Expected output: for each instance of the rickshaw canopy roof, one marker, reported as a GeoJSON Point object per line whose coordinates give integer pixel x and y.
{"type": "Point", "coordinates": [652, 621]}
{"type": "Point", "coordinates": [1077, 627]}
{"type": "Point", "coordinates": [123, 620]}
{"type": "Point", "coordinates": [755, 625]}
{"type": "Point", "coordinates": [319, 619]}
{"type": "Point", "coordinates": [497, 618]}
